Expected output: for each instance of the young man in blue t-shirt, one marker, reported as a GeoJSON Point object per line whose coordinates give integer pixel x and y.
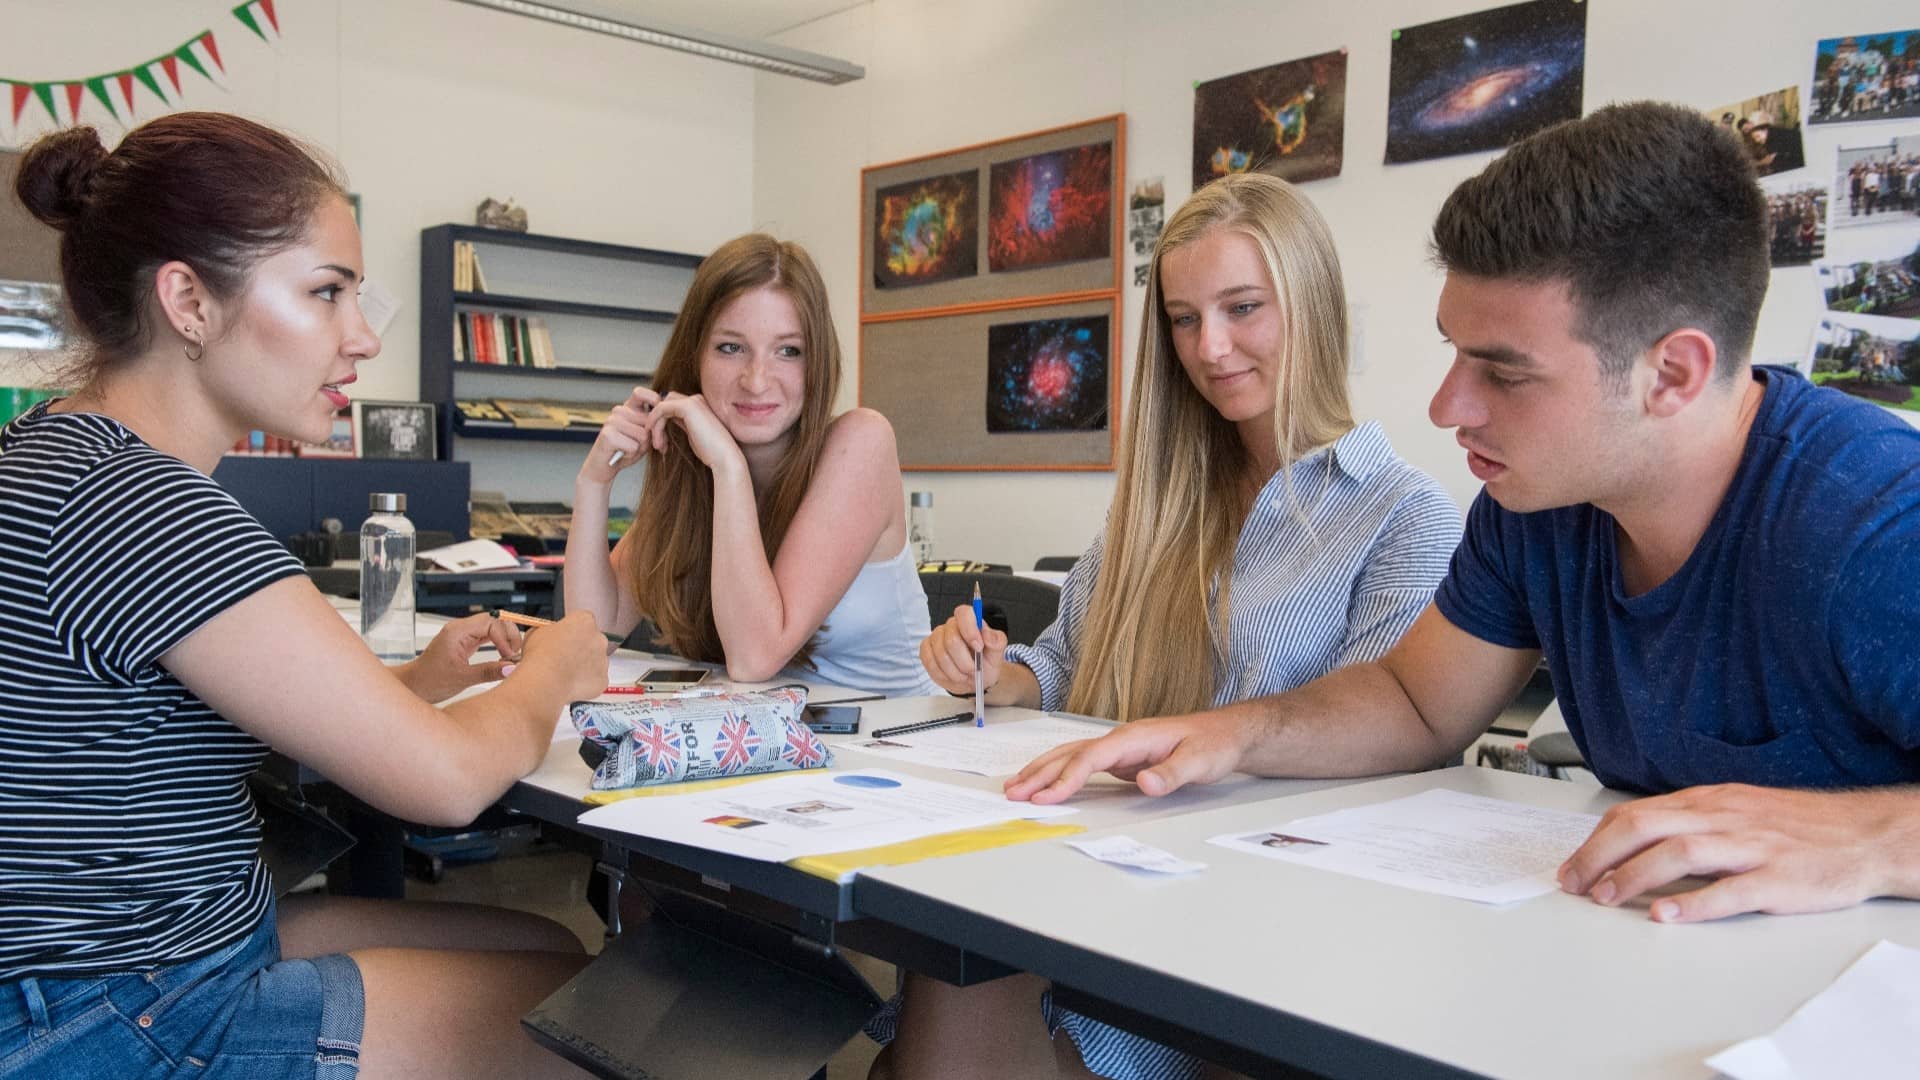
{"type": "Point", "coordinates": [1721, 563]}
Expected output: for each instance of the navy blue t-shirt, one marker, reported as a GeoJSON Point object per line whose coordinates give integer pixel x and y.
{"type": "Point", "coordinates": [1786, 650]}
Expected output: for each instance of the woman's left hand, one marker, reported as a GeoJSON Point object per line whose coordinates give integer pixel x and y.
{"type": "Point", "coordinates": [712, 443]}
{"type": "Point", "coordinates": [446, 666]}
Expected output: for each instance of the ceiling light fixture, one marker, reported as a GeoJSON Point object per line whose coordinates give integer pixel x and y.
{"type": "Point", "coordinates": [733, 50]}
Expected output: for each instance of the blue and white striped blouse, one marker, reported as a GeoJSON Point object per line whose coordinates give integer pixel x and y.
{"type": "Point", "coordinates": [1307, 598]}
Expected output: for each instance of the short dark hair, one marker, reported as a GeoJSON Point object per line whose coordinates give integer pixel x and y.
{"type": "Point", "coordinates": [212, 190]}
{"type": "Point", "coordinates": [1650, 213]}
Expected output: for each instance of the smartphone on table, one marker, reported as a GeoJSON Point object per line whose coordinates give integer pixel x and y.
{"type": "Point", "coordinates": [833, 719]}
{"type": "Point", "coordinates": [665, 680]}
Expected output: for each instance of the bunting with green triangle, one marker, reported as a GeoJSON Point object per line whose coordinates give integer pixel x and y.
{"type": "Point", "coordinates": [120, 92]}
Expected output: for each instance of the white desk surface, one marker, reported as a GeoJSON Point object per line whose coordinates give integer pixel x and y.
{"type": "Point", "coordinates": [1108, 802]}
{"type": "Point", "coordinates": [1257, 951]}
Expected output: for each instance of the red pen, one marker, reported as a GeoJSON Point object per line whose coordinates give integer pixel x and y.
{"type": "Point", "coordinates": [699, 691]}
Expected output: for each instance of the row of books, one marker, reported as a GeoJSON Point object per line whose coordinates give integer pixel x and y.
{"type": "Point", "coordinates": [493, 516]}
{"type": "Point", "coordinates": [502, 413]}
{"type": "Point", "coordinates": [261, 444]}
{"type": "Point", "coordinates": [486, 337]}
{"type": "Point", "coordinates": [467, 276]}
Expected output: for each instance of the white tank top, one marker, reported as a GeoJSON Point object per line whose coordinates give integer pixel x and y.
{"type": "Point", "coordinates": [871, 640]}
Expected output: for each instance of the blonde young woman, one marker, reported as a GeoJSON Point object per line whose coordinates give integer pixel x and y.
{"type": "Point", "coordinates": [770, 533]}
{"type": "Point", "coordinates": [1258, 538]}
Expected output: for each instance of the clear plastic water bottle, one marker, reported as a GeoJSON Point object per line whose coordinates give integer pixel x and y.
{"type": "Point", "coordinates": [386, 578]}
{"type": "Point", "coordinates": [920, 525]}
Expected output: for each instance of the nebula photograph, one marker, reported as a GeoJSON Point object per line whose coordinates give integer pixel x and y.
{"type": "Point", "coordinates": [1048, 375]}
{"type": "Point", "coordinates": [1050, 208]}
{"type": "Point", "coordinates": [926, 231]}
{"type": "Point", "coordinates": [1287, 119]}
{"type": "Point", "coordinates": [1482, 81]}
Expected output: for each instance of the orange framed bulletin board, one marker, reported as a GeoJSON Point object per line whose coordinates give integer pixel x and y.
{"type": "Point", "coordinates": [990, 300]}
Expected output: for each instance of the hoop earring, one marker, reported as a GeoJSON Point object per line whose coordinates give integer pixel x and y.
{"type": "Point", "coordinates": [191, 355]}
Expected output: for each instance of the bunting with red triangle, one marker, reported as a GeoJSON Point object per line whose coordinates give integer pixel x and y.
{"type": "Point", "coordinates": [152, 85]}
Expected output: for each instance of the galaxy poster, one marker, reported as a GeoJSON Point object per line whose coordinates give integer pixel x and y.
{"type": "Point", "coordinates": [1288, 119]}
{"type": "Point", "coordinates": [1050, 208]}
{"type": "Point", "coordinates": [1768, 127]}
{"type": "Point", "coordinates": [1482, 81]}
{"type": "Point", "coordinates": [1048, 375]}
{"type": "Point", "coordinates": [926, 231]}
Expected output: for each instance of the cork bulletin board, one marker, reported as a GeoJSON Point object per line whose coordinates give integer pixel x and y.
{"type": "Point", "coordinates": [990, 300]}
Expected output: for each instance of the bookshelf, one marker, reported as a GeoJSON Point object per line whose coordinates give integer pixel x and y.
{"type": "Point", "coordinates": [606, 311]}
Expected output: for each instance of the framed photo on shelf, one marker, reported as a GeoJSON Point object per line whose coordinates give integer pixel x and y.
{"type": "Point", "coordinates": [395, 430]}
{"type": "Point", "coordinates": [341, 443]}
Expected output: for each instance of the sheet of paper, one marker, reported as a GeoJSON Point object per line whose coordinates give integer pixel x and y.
{"type": "Point", "coordinates": [1438, 841]}
{"type": "Point", "coordinates": [812, 813]}
{"type": "Point", "coordinates": [994, 750]}
{"type": "Point", "coordinates": [472, 555]}
{"type": "Point", "coordinates": [1859, 1028]}
{"type": "Point", "coordinates": [378, 306]}
{"type": "Point", "coordinates": [1126, 851]}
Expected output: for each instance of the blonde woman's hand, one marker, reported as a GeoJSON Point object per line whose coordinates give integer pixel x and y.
{"type": "Point", "coordinates": [947, 653]}
{"type": "Point", "coordinates": [628, 433]}
{"type": "Point", "coordinates": [445, 667]}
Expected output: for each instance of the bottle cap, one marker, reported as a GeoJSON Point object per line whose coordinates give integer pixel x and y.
{"type": "Point", "coordinates": [920, 498]}
{"type": "Point", "coordinates": [387, 502]}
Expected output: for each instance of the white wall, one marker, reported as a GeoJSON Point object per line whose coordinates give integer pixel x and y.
{"type": "Point", "coordinates": [942, 73]}
{"type": "Point", "coordinates": [430, 106]}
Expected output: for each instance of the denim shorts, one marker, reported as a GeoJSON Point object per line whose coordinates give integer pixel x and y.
{"type": "Point", "coordinates": [240, 1012]}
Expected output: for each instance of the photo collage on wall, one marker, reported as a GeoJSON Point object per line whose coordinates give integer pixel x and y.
{"type": "Point", "coordinates": [1867, 265]}
{"type": "Point", "coordinates": [989, 315]}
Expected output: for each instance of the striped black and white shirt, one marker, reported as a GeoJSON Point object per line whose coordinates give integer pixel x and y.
{"type": "Point", "coordinates": [127, 837]}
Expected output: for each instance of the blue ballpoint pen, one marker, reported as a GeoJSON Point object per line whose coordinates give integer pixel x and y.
{"type": "Point", "coordinates": [979, 695]}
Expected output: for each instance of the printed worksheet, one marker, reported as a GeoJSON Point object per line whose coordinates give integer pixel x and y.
{"type": "Point", "coordinates": [995, 750]}
{"type": "Point", "coordinates": [813, 813]}
{"type": "Point", "coordinates": [1438, 841]}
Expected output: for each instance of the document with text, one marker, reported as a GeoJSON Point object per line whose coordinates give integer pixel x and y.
{"type": "Point", "coordinates": [1439, 841]}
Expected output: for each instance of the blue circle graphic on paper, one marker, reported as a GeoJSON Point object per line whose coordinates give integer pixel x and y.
{"type": "Point", "coordinates": [857, 780]}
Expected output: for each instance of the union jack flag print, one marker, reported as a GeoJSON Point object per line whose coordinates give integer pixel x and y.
{"type": "Point", "coordinates": [803, 749]}
{"type": "Point", "coordinates": [733, 748]}
{"type": "Point", "coordinates": [656, 746]}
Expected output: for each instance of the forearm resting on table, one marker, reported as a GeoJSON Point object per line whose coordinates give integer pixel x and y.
{"type": "Point", "coordinates": [1357, 721]}
{"type": "Point", "coordinates": [758, 628]}
{"type": "Point", "coordinates": [590, 581]}
{"type": "Point", "coordinates": [504, 735]}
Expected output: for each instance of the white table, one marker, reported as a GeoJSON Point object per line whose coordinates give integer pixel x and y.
{"type": "Point", "coordinates": [1280, 962]}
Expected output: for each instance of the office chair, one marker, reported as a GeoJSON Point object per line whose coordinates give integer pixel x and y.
{"type": "Point", "coordinates": [1055, 562]}
{"type": "Point", "coordinates": [1019, 607]}
{"type": "Point", "coordinates": [1551, 745]}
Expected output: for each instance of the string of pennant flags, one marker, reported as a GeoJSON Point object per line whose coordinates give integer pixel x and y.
{"type": "Point", "coordinates": [160, 76]}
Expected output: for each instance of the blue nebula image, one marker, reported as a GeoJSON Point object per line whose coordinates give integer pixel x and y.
{"type": "Point", "coordinates": [1048, 375]}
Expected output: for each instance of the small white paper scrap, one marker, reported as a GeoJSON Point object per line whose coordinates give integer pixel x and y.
{"type": "Point", "coordinates": [1859, 1028]}
{"type": "Point", "coordinates": [1126, 851]}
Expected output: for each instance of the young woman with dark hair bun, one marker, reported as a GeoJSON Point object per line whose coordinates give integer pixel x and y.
{"type": "Point", "coordinates": [155, 640]}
